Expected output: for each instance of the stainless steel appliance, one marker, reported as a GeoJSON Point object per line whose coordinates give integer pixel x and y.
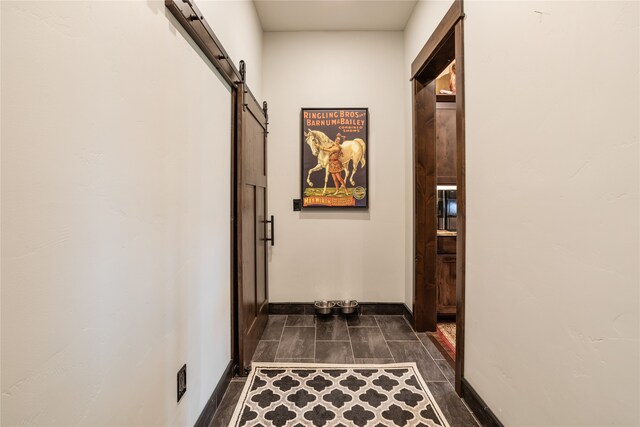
{"type": "Point", "coordinates": [451, 210]}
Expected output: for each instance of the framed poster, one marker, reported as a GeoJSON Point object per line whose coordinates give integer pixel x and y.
{"type": "Point", "coordinates": [334, 157]}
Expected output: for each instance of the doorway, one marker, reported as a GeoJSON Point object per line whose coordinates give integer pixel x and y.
{"type": "Point", "coordinates": [438, 165]}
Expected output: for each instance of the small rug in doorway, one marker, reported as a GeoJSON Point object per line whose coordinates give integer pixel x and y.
{"type": "Point", "coordinates": [447, 335]}
{"type": "Point", "coordinates": [310, 394]}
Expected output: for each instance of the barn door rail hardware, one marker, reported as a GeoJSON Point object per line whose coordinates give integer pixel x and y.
{"type": "Point", "coordinates": [192, 20]}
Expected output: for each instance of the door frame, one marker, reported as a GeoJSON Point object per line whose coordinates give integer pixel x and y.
{"type": "Point", "coordinates": [446, 42]}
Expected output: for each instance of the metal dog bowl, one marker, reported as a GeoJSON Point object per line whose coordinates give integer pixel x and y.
{"type": "Point", "coordinates": [348, 306]}
{"type": "Point", "coordinates": [324, 307]}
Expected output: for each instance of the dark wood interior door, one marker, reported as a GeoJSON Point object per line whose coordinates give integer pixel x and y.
{"type": "Point", "coordinates": [425, 200]}
{"type": "Point", "coordinates": [446, 281]}
{"type": "Point", "coordinates": [252, 224]}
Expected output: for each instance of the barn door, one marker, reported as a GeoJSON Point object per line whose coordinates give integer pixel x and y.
{"type": "Point", "coordinates": [254, 228]}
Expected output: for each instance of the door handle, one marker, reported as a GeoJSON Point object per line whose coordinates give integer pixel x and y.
{"type": "Point", "coordinates": [273, 230]}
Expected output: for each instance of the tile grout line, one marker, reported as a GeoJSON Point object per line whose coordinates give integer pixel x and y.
{"type": "Point", "coordinates": [470, 411]}
{"type": "Point", "coordinates": [427, 351]}
{"type": "Point", "coordinates": [423, 346]}
{"type": "Point", "coordinates": [385, 340]}
{"type": "Point", "coordinates": [300, 326]}
{"type": "Point", "coordinates": [454, 371]}
{"type": "Point", "coordinates": [280, 340]}
{"type": "Point", "coordinates": [353, 354]}
{"type": "Point", "coordinates": [401, 332]}
{"type": "Point", "coordinates": [421, 343]}
{"type": "Point", "coordinates": [429, 354]}
{"type": "Point", "coordinates": [315, 339]}
{"type": "Point", "coordinates": [362, 327]}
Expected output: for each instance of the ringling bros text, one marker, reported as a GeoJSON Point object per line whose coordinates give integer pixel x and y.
{"type": "Point", "coordinates": [344, 120]}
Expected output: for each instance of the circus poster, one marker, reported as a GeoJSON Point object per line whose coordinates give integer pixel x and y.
{"type": "Point", "coordinates": [334, 157]}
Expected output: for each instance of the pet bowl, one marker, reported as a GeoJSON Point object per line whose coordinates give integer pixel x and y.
{"type": "Point", "coordinates": [324, 307]}
{"type": "Point", "coordinates": [348, 306]}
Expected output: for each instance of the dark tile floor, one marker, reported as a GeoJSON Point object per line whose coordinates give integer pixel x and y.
{"type": "Point", "coordinates": [367, 339]}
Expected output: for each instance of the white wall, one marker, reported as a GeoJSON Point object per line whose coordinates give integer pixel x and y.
{"type": "Point", "coordinates": [115, 216]}
{"type": "Point", "coordinates": [320, 255]}
{"type": "Point", "coordinates": [552, 180]}
{"type": "Point", "coordinates": [238, 28]}
{"type": "Point", "coordinates": [552, 194]}
{"type": "Point", "coordinates": [425, 18]}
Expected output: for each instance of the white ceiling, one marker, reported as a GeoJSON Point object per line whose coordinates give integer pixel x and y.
{"type": "Point", "coordinates": [334, 15]}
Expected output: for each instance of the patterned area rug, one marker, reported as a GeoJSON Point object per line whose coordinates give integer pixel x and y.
{"type": "Point", "coordinates": [308, 394]}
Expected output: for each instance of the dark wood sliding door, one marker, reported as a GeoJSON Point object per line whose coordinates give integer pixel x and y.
{"type": "Point", "coordinates": [252, 224]}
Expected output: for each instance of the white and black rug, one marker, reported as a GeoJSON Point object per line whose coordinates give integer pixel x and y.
{"type": "Point", "coordinates": [308, 394]}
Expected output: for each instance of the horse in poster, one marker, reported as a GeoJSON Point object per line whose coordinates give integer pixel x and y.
{"type": "Point", "coordinates": [351, 151]}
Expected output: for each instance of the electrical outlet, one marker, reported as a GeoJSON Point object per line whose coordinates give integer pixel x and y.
{"type": "Point", "coordinates": [182, 381]}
